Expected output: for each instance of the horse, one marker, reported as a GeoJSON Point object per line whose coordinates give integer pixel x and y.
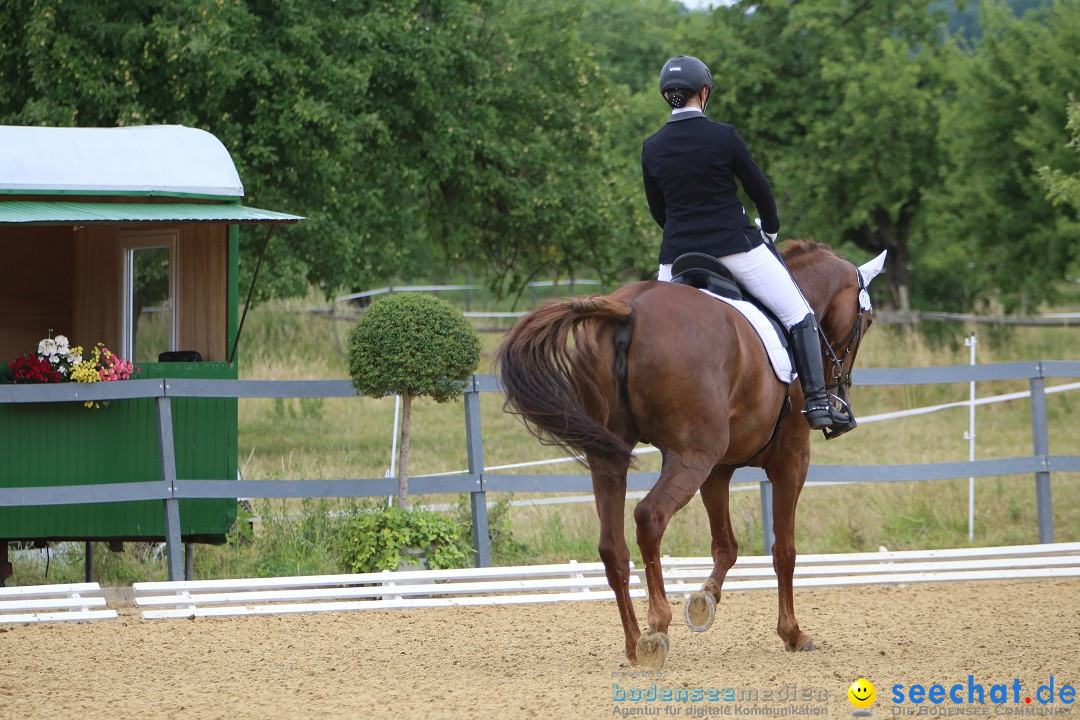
{"type": "Point", "coordinates": [668, 365]}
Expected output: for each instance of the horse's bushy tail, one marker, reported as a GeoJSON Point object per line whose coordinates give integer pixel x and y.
{"type": "Point", "coordinates": [548, 384]}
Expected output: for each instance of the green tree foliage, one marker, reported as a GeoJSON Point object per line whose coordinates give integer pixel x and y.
{"type": "Point", "coordinates": [379, 538]}
{"type": "Point", "coordinates": [1062, 187]}
{"type": "Point", "coordinates": [414, 134]}
{"type": "Point", "coordinates": [523, 182]}
{"type": "Point", "coordinates": [993, 235]}
{"type": "Point", "coordinates": [504, 136]}
{"type": "Point", "coordinates": [412, 345]}
{"type": "Point", "coordinates": [964, 15]}
{"type": "Point", "coordinates": [630, 40]}
{"type": "Point", "coordinates": [838, 101]}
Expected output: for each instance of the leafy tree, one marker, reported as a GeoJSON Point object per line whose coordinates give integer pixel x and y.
{"type": "Point", "coordinates": [412, 345]}
{"type": "Point", "coordinates": [964, 15]}
{"type": "Point", "coordinates": [414, 134]}
{"type": "Point", "coordinates": [1003, 124]}
{"type": "Point", "coordinates": [630, 41]}
{"type": "Point", "coordinates": [1064, 188]}
{"type": "Point", "coordinates": [422, 136]}
{"type": "Point", "coordinates": [838, 101]}
{"type": "Point", "coordinates": [525, 183]}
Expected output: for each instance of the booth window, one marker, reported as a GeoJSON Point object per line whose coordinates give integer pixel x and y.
{"type": "Point", "coordinates": [149, 325]}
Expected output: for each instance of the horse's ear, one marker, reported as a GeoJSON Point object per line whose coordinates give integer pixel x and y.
{"type": "Point", "coordinates": [870, 270]}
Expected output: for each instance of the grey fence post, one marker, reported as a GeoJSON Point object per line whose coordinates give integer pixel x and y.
{"type": "Point", "coordinates": [174, 547]}
{"type": "Point", "coordinates": [478, 498]}
{"type": "Point", "coordinates": [766, 516]}
{"type": "Point", "coordinates": [1041, 442]}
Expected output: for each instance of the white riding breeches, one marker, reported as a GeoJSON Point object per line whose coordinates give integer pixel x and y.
{"type": "Point", "coordinates": [762, 275]}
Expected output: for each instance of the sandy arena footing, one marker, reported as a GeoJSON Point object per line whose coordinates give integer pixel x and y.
{"type": "Point", "coordinates": [555, 661]}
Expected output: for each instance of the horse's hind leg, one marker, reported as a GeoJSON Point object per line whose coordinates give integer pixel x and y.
{"type": "Point", "coordinates": [787, 485]}
{"type": "Point", "coordinates": [679, 480]}
{"type": "Point", "coordinates": [609, 489]}
{"type": "Point", "coordinates": [701, 606]}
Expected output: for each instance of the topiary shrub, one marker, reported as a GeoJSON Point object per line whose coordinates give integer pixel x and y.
{"type": "Point", "coordinates": [412, 345]}
{"type": "Point", "coordinates": [379, 538]}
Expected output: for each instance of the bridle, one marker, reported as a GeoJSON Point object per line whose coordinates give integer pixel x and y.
{"type": "Point", "coordinates": [841, 369]}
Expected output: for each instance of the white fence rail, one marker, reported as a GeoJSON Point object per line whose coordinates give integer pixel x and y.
{"type": "Point", "coordinates": [579, 582]}
{"type": "Point", "coordinates": [559, 583]}
{"type": "Point", "coordinates": [376, 591]}
{"type": "Point", "coordinates": [51, 603]}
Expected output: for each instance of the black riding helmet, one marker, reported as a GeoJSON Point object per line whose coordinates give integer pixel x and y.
{"type": "Point", "coordinates": [684, 73]}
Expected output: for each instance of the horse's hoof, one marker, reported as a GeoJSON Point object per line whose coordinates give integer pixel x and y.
{"type": "Point", "coordinates": [652, 650]}
{"type": "Point", "coordinates": [804, 646]}
{"type": "Point", "coordinates": [700, 611]}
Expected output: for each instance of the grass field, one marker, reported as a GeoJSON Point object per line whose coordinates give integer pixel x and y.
{"type": "Point", "coordinates": [351, 438]}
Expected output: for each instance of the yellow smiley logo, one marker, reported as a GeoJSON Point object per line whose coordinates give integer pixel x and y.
{"type": "Point", "coordinates": [862, 693]}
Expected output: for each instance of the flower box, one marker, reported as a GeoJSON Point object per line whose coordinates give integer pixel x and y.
{"type": "Point", "coordinates": [63, 443]}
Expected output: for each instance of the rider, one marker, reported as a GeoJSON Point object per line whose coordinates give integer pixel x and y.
{"type": "Point", "coordinates": [689, 167]}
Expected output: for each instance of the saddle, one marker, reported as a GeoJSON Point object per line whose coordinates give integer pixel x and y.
{"type": "Point", "coordinates": [705, 272]}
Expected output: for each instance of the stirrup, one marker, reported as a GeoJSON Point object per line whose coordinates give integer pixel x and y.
{"type": "Point", "coordinates": [815, 415]}
{"type": "Point", "coordinates": [840, 421]}
{"type": "Point", "coordinates": [838, 430]}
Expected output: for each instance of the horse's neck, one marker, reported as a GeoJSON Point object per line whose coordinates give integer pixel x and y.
{"type": "Point", "coordinates": [821, 277]}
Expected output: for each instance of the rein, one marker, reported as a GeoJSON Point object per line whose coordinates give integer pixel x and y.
{"type": "Point", "coordinates": [840, 376]}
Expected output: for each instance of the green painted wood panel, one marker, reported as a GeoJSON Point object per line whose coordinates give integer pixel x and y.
{"type": "Point", "coordinates": [67, 444]}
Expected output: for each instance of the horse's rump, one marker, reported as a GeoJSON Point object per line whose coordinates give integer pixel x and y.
{"type": "Point", "coordinates": [595, 375]}
{"type": "Point", "coordinates": [699, 369]}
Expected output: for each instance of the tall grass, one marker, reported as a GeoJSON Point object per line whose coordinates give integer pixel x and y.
{"type": "Point", "coordinates": [351, 438]}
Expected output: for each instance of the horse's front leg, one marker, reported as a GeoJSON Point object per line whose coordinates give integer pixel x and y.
{"type": "Point", "coordinates": [787, 482]}
{"type": "Point", "coordinates": [678, 482]}
{"type": "Point", "coordinates": [701, 606]}
{"type": "Point", "coordinates": [609, 489]}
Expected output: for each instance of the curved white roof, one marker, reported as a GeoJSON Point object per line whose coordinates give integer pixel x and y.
{"type": "Point", "coordinates": [146, 160]}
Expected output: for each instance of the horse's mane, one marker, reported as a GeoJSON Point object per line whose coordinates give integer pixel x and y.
{"type": "Point", "coordinates": [812, 261]}
{"type": "Point", "coordinates": [797, 248]}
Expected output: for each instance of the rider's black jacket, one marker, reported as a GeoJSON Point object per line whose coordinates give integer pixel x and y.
{"type": "Point", "coordinates": [689, 167]}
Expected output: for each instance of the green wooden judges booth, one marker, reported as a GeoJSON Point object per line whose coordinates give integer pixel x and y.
{"type": "Point", "coordinates": [129, 237]}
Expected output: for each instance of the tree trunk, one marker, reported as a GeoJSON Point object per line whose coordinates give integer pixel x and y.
{"type": "Point", "coordinates": [403, 451]}
{"type": "Point", "coordinates": [887, 235]}
{"type": "Point", "coordinates": [899, 282]}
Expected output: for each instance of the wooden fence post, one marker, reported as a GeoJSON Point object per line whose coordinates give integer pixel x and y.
{"type": "Point", "coordinates": [478, 498]}
{"type": "Point", "coordinates": [174, 547]}
{"type": "Point", "coordinates": [1041, 442]}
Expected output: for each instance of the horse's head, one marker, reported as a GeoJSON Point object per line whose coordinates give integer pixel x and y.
{"type": "Point", "coordinates": [838, 293]}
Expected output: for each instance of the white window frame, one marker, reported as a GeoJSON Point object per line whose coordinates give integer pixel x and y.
{"type": "Point", "coordinates": [137, 240]}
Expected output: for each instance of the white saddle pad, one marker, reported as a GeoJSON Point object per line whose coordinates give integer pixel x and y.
{"type": "Point", "coordinates": [778, 356]}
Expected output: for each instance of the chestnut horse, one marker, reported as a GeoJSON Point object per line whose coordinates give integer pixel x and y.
{"type": "Point", "coordinates": [668, 365]}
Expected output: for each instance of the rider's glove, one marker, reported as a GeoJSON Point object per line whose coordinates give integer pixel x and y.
{"type": "Point", "coordinates": [769, 238]}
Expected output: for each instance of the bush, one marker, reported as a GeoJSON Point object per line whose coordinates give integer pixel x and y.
{"type": "Point", "coordinates": [414, 344]}
{"type": "Point", "coordinates": [505, 550]}
{"type": "Point", "coordinates": [378, 538]}
{"type": "Point", "coordinates": [409, 345]}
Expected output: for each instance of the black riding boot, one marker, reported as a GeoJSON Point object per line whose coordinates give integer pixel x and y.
{"type": "Point", "coordinates": [819, 412]}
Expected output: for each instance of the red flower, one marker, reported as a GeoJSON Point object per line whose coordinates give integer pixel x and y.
{"type": "Point", "coordinates": [29, 368]}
